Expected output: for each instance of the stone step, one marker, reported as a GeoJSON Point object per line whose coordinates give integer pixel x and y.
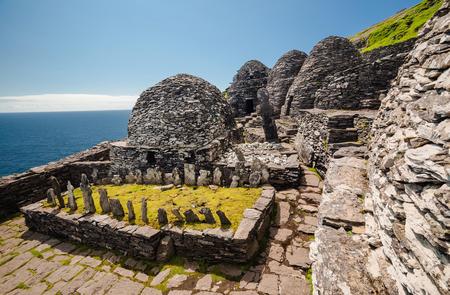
{"type": "Point", "coordinates": [342, 135]}
{"type": "Point", "coordinates": [341, 121]}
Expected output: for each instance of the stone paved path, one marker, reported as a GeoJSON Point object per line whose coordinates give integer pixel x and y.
{"type": "Point", "coordinates": [32, 263]}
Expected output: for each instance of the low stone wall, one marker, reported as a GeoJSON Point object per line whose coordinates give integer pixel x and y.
{"type": "Point", "coordinates": [214, 245]}
{"type": "Point", "coordinates": [19, 189]}
{"type": "Point", "coordinates": [322, 132]}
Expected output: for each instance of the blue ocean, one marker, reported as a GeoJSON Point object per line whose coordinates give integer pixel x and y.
{"type": "Point", "coordinates": [32, 139]}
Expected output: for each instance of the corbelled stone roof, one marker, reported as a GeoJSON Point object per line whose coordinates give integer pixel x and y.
{"type": "Point", "coordinates": [179, 112]}
{"type": "Point", "coordinates": [250, 77]}
{"type": "Point", "coordinates": [332, 54]}
{"type": "Point", "coordinates": [281, 77]}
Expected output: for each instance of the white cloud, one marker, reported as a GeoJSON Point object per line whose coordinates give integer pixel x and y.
{"type": "Point", "coordinates": [65, 102]}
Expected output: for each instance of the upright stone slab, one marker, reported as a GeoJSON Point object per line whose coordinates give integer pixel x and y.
{"type": "Point", "coordinates": [55, 186]}
{"type": "Point", "coordinates": [162, 217]}
{"type": "Point", "coordinates": [86, 190]}
{"type": "Point", "coordinates": [191, 217]}
{"type": "Point", "coordinates": [224, 221]}
{"type": "Point", "coordinates": [131, 213]}
{"type": "Point", "coordinates": [144, 213]}
{"type": "Point", "coordinates": [130, 178]}
{"type": "Point", "coordinates": [176, 212]}
{"type": "Point", "coordinates": [255, 179]}
{"type": "Point", "coordinates": [104, 201]}
{"type": "Point", "coordinates": [189, 174]}
{"type": "Point", "coordinates": [234, 181]}
{"type": "Point", "coordinates": [139, 176]}
{"type": "Point", "coordinates": [153, 176]}
{"type": "Point", "coordinates": [176, 177]}
{"type": "Point", "coordinates": [116, 180]}
{"type": "Point", "coordinates": [116, 208]}
{"type": "Point", "coordinates": [209, 218]}
{"type": "Point", "coordinates": [51, 197]}
{"type": "Point", "coordinates": [217, 176]}
{"type": "Point", "coordinates": [204, 179]}
{"type": "Point", "coordinates": [269, 126]}
{"type": "Point", "coordinates": [71, 203]}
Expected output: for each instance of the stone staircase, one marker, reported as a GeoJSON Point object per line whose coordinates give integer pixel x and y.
{"type": "Point", "coordinates": [342, 133]}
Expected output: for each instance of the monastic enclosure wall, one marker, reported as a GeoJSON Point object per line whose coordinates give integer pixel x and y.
{"type": "Point", "coordinates": [409, 166]}
{"type": "Point", "coordinates": [214, 245]}
{"type": "Point", "coordinates": [19, 189]}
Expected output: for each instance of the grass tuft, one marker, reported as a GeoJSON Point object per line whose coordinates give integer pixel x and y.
{"type": "Point", "coordinates": [309, 280]}
{"type": "Point", "coordinates": [22, 286]}
{"type": "Point", "coordinates": [36, 253]}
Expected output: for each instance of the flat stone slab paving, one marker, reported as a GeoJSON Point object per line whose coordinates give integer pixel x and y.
{"type": "Point", "coordinates": [34, 263]}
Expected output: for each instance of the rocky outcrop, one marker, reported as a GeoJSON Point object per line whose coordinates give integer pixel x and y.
{"type": "Point", "coordinates": [281, 77]}
{"type": "Point", "coordinates": [182, 111]}
{"type": "Point", "coordinates": [243, 90]}
{"type": "Point", "coordinates": [329, 56]}
{"type": "Point", "coordinates": [409, 166]}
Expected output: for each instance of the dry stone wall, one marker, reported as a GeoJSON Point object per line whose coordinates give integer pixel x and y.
{"type": "Point", "coordinates": [19, 189]}
{"type": "Point", "coordinates": [281, 77]}
{"type": "Point", "coordinates": [409, 166]}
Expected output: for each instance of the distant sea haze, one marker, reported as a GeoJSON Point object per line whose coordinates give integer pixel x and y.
{"type": "Point", "coordinates": [31, 139]}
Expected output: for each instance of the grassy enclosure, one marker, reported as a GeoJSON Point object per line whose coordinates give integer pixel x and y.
{"type": "Point", "coordinates": [232, 201]}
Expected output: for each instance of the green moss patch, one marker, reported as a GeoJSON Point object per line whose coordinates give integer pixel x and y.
{"type": "Point", "coordinates": [232, 201]}
{"type": "Point", "coordinates": [399, 28]}
{"type": "Point", "coordinates": [36, 253]}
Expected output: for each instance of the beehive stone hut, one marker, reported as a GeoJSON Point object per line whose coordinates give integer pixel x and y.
{"type": "Point", "coordinates": [250, 77]}
{"type": "Point", "coordinates": [281, 77]}
{"type": "Point", "coordinates": [329, 56]}
{"type": "Point", "coordinates": [181, 119]}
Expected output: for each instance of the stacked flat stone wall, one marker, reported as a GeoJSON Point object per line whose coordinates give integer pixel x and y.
{"type": "Point", "coordinates": [214, 245]}
{"type": "Point", "coordinates": [19, 189]}
{"type": "Point", "coordinates": [409, 166]}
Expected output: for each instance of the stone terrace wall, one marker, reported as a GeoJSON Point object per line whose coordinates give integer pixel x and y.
{"type": "Point", "coordinates": [19, 189]}
{"type": "Point", "coordinates": [214, 245]}
{"type": "Point", "coordinates": [410, 166]}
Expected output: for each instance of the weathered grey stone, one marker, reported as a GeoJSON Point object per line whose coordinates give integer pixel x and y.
{"type": "Point", "coordinates": [144, 211]}
{"type": "Point", "coordinates": [162, 217]}
{"type": "Point", "coordinates": [204, 283]}
{"type": "Point", "coordinates": [139, 176]}
{"type": "Point", "coordinates": [297, 256]}
{"type": "Point", "coordinates": [189, 175]}
{"type": "Point", "coordinates": [255, 179]}
{"type": "Point", "coordinates": [116, 180]}
{"type": "Point", "coordinates": [235, 181]}
{"type": "Point", "coordinates": [116, 208]}
{"type": "Point", "coordinates": [51, 197]}
{"type": "Point", "coordinates": [176, 281]}
{"type": "Point", "coordinates": [104, 200]}
{"type": "Point", "coordinates": [86, 190]}
{"type": "Point", "coordinates": [176, 212]}
{"type": "Point", "coordinates": [209, 218]}
{"type": "Point", "coordinates": [131, 213]}
{"type": "Point", "coordinates": [165, 249]}
{"type": "Point", "coordinates": [269, 126]}
{"type": "Point", "coordinates": [153, 176]}
{"type": "Point", "coordinates": [268, 284]}
{"type": "Point", "coordinates": [217, 176]}
{"type": "Point", "coordinates": [166, 187]}
{"type": "Point", "coordinates": [224, 221]}
{"type": "Point", "coordinates": [70, 197]}
{"type": "Point", "coordinates": [160, 277]}
{"type": "Point", "coordinates": [176, 177]}
{"type": "Point", "coordinates": [190, 216]}
{"type": "Point", "coordinates": [204, 179]}
{"type": "Point", "coordinates": [130, 178]}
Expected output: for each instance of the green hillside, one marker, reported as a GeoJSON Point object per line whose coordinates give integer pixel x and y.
{"type": "Point", "coordinates": [398, 28]}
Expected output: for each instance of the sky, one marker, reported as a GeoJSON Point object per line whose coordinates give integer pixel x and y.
{"type": "Point", "coordinates": [101, 54]}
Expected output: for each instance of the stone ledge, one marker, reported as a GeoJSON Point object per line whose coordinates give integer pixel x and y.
{"type": "Point", "coordinates": [215, 245]}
